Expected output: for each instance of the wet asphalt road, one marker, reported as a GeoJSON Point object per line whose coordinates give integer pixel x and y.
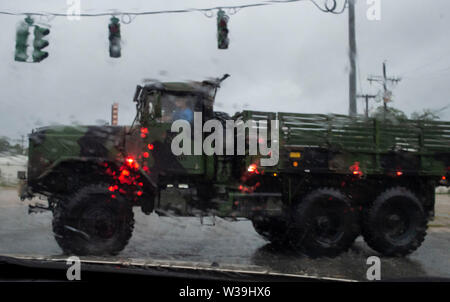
{"type": "Point", "coordinates": [228, 243]}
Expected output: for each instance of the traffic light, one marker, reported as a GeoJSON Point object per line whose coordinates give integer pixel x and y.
{"type": "Point", "coordinates": [222, 30]}
{"type": "Point", "coordinates": [39, 43]}
{"type": "Point", "coordinates": [23, 31]}
{"type": "Point", "coordinates": [22, 43]}
{"type": "Point", "coordinates": [114, 38]}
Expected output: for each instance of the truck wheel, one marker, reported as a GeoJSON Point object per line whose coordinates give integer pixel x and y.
{"type": "Point", "coordinates": [271, 229]}
{"type": "Point", "coordinates": [92, 222]}
{"type": "Point", "coordinates": [395, 224]}
{"type": "Point", "coordinates": [324, 224]}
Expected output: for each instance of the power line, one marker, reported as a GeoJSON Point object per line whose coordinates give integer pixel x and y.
{"type": "Point", "coordinates": [430, 74]}
{"type": "Point", "coordinates": [327, 8]}
{"type": "Point", "coordinates": [383, 80]}
{"type": "Point", "coordinates": [37, 55]}
{"type": "Point", "coordinates": [429, 62]}
{"type": "Point", "coordinates": [437, 111]}
{"type": "Point", "coordinates": [331, 8]}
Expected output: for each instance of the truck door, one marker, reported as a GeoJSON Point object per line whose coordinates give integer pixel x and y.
{"type": "Point", "coordinates": [175, 107]}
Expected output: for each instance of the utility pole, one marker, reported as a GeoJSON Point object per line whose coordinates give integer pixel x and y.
{"type": "Point", "coordinates": [367, 97]}
{"type": "Point", "coordinates": [384, 79]}
{"type": "Point", "coordinates": [23, 143]}
{"type": "Point", "coordinates": [352, 55]}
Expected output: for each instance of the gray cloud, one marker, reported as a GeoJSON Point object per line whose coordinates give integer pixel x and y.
{"type": "Point", "coordinates": [288, 57]}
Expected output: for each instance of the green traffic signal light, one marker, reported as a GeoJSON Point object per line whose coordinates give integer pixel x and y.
{"type": "Point", "coordinates": [39, 33]}
{"type": "Point", "coordinates": [39, 43]}
{"type": "Point", "coordinates": [22, 41]}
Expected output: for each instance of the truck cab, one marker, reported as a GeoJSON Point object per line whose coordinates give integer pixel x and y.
{"type": "Point", "coordinates": [158, 105]}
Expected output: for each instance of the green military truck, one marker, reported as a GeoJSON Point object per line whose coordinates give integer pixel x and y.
{"type": "Point", "coordinates": [337, 177]}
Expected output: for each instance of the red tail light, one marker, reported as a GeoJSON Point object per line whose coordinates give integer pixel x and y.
{"type": "Point", "coordinates": [129, 160]}
{"type": "Point", "coordinates": [144, 132]}
{"type": "Point", "coordinates": [253, 168]}
{"type": "Point", "coordinates": [355, 169]}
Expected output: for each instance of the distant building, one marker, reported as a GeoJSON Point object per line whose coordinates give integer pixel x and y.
{"type": "Point", "coordinates": [114, 114]}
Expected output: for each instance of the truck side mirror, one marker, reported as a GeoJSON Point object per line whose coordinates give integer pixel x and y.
{"type": "Point", "coordinates": [137, 93]}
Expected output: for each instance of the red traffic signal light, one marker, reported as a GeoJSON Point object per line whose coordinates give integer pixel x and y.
{"type": "Point", "coordinates": [222, 30]}
{"type": "Point", "coordinates": [114, 38]}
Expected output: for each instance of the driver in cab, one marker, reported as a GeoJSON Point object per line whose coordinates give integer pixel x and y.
{"type": "Point", "coordinates": [182, 111]}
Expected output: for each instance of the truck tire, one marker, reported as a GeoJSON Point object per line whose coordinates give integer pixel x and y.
{"type": "Point", "coordinates": [395, 224]}
{"type": "Point", "coordinates": [323, 224]}
{"type": "Point", "coordinates": [271, 229]}
{"type": "Point", "coordinates": [92, 222]}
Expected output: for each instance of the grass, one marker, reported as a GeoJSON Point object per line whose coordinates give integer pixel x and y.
{"type": "Point", "coordinates": [438, 225]}
{"type": "Point", "coordinates": [7, 185]}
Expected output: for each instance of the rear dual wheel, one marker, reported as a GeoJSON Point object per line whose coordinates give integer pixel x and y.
{"type": "Point", "coordinates": [324, 223]}
{"type": "Point", "coordinates": [395, 224]}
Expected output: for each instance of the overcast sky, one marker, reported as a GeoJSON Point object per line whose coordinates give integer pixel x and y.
{"type": "Point", "coordinates": [285, 57]}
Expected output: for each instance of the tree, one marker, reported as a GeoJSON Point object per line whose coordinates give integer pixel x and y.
{"type": "Point", "coordinates": [391, 114]}
{"type": "Point", "coordinates": [426, 115]}
{"type": "Point", "coordinates": [4, 144]}
{"type": "Point", "coordinates": [16, 149]}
